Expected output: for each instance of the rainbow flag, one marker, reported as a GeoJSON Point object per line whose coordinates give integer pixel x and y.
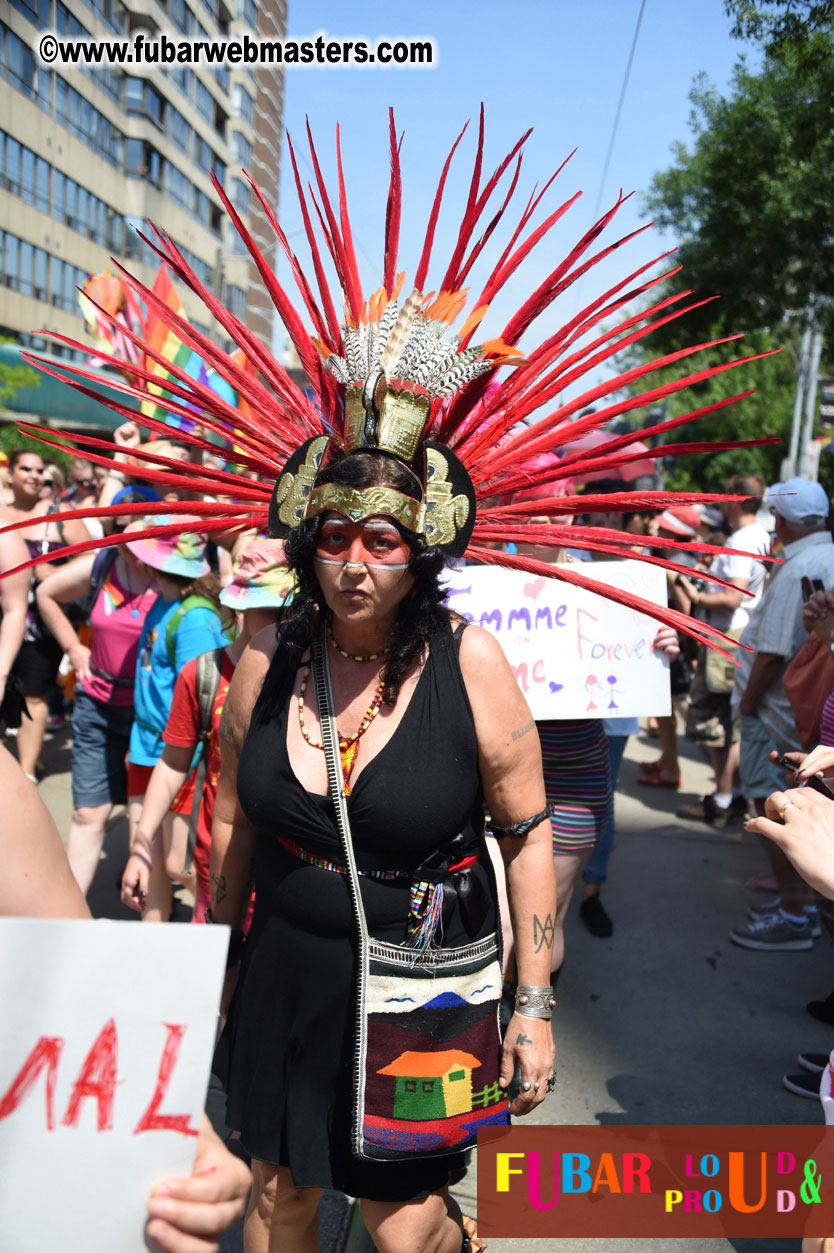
{"type": "Point", "coordinates": [163, 340]}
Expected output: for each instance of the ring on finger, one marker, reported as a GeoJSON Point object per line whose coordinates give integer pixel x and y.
{"type": "Point", "coordinates": [782, 808]}
{"type": "Point", "coordinates": [536, 1086]}
{"type": "Point", "coordinates": [526, 1085]}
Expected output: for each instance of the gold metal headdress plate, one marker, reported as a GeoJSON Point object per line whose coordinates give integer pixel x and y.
{"type": "Point", "coordinates": [365, 502]}
{"type": "Point", "coordinates": [446, 513]}
{"type": "Point", "coordinates": [292, 492]}
{"type": "Point", "coordinates": [381, 416]}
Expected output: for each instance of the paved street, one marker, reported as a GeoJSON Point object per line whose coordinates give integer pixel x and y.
{"type": "Point", "coordinates": [666, 1022]}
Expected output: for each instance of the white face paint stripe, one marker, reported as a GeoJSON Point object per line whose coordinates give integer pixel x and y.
{"type": "Point", "coordinates": [369, 565]}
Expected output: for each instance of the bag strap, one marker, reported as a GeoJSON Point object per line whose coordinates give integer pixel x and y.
{"type": "Point", "coordinates": [207, 683]}
{"type": "Point", "coordinates": [190, 602]}
{"type": "Point", "coordinates": [330, 740]}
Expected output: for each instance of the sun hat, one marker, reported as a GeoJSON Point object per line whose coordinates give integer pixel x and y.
{"type": "Point", "coordinates": [798, 499]}
{"type": "Point", "coordinates": [180, 554]}
{"type": "Point", "coordinates": [680, 520]}
{"type": "Point", "coordinates": [133, 493]}
{"type": "Point", "coordinates": [261, 578]}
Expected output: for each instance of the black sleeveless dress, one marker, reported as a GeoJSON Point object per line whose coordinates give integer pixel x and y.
{"type": "Point", "coordinates": [286, 1054]}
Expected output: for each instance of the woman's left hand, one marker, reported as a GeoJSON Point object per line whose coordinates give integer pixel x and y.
{"type": "Point", "coordinates": [187, 1215]}
{"type": "Point", "coordinates": [529, 1044]}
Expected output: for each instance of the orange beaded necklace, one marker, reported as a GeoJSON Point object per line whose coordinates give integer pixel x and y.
{"type": "Point", "coordinates": [348, 745]}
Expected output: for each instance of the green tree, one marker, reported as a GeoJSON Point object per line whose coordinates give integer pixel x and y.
{"type": "Point", "coordinates": [777, 23]}
{"type": "Point", "coordinates": [13, 377]}
{"type": "Point", "coordinates": [752, 199]}
{"type": "Point", "coordinates": [751, 202]}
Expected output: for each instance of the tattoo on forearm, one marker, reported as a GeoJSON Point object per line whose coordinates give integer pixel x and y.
{"type": "Point", "coordinates": [543, 932]}
{"type": "Point", "coordinates": [523, 1039]}
{"type": "Point", "coordinates": [218, 889]}
{"type": "Point", "coordinates": [528, 726]}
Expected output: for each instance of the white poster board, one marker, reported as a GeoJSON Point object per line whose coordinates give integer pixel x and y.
{"type": "Point", "coordinates": [574, 654]}
{"type": "Point", "coordinates": [106, 1036]}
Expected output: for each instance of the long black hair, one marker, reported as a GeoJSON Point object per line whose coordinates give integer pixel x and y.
{"type": "Point", "coordinates": [421, 612]}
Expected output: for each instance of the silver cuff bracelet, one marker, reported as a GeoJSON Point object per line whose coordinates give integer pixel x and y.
{"type": "Point", "coordinates": [534, 1002]}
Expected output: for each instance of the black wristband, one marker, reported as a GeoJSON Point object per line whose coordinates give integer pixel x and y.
{"type": "Point", "coordinates": [518, 830]}
{"type": "Point", "coordinates": [236, 942]}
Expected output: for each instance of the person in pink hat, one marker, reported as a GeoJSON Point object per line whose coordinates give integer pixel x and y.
{"type": "Point", "coordinates": [261, 584]}
{"type": "Point", "coordinates": [183, 622]}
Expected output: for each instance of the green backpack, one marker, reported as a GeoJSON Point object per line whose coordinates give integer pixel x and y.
{"type": "Point", "coordinates": [190, 602]}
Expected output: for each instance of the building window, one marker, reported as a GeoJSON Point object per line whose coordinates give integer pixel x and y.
{"type": "Point", "coordinates": [44, 89]}
{"type": "Point", "coordinates": [203, 101]}
{"type": "Point", "coordinates": [236, 300]}
{"type": "Point", "coordinates": [20, 64]}
{"type": "Point", "coordinates": [203, 155]}
{"type": "Point", "coordinates": [41, 184]}
{"type": "Point", "coordinates": [38, 11]}
{"type": "Point", "coordinates": [12, 263]}
{"type": "Point", "coordinates": [241, 148]}
{"type": "Point", "coordinates": [12, 171]}
{"type": "Point", "coordinates": [428, 1086]}
{"type": "Point", "coordinates": [143, 161]}
{"type": "Point", "coordinates": [115, 232]}
{"type": "Point", "coordinates": [247, 11]}
{"type": "Point", "coordinates": [456, 1074]}
{"type": "Point", "coordinates": [58, 195]}
{"type": "Point", "coordinates": [143, 100]}
{"type": "Point", "coordinates": [41, 269]}
{"type": "Point", "coordinates": [242, 103]}
{"type": "Point", "coordinates": [239, 195]}
{"type": "Point", "coordinates": [179, 132]}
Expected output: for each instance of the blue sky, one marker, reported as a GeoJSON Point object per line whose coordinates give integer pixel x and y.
{"type": "Point", "coordinates": [554, 65]}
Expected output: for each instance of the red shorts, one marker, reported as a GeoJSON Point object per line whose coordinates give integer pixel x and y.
{"type": "Point", "coordinates": [138, 778]}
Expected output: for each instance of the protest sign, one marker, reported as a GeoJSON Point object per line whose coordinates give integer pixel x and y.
{"type": "Point", "coordinates": [106, 1038]}
{"type": "Point", "coordinates": [574, 654]}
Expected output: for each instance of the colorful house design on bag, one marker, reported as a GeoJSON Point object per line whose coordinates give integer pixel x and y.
{"type": "Point", "coordinates": [432, 1085]}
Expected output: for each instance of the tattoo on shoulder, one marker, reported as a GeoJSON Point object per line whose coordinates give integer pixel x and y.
{"type": "Point", "coordinates": [226, 730]}
{"type": "Point", "coordinates": [218, 889]}
{"type": "Point", "coordinates": [528, 726]}
{"type": "Point", "coordinates": [543, 932]}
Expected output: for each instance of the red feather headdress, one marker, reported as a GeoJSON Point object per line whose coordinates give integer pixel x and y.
{"type": "Point", "coordinates": [506, 432]}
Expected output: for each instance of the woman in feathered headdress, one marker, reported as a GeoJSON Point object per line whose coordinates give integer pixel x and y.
{"type": "Point", "coordinates": [405, 449]}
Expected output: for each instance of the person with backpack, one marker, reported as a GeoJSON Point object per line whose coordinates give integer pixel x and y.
{"type": "Point", "coordinates": [261, 584]}
{"type": "Point", "coordinates": [184, 621]}
{"type": "Point", "coordinates": [114, 591]}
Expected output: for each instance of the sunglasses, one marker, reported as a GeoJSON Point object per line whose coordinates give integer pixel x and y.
{"type": "Point", "coordinates": [49, 483]}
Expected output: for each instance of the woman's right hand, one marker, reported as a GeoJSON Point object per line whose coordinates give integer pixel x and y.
{"type": "Point", "coordinates": [79, 656]}
{"type": "Point", "coordinates": [135, 879]}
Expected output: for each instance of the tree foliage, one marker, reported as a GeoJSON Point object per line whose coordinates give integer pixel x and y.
{"type": "Point", "coordinates": [779, 22]}
{"type": "Point", "coordinates": [13, 377]}
{"type": "Point", "coordinates": [752, 199]}
{"type": "Point", "coordinates": [750, 202]}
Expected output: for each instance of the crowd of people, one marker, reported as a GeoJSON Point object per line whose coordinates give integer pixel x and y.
{"type": "Point", "coordinates": [137, 645]}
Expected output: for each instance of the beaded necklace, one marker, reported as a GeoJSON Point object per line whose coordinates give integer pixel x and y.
{"type": "Point", "coordinates": [354, 656]}
{"type": "Point", "coordinates": [348, 745]}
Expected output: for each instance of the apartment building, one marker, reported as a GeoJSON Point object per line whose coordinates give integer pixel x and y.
{"type": "Point", "coordinates": [88, 155]}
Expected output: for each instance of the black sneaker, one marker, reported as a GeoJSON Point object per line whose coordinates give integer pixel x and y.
{"type": "Point", "coordinates": [593, 914]}
{"type": "Point", "coordinates": [803, 1085]}
{"type": "Point", "coordinates": [814, 1063]}
{"type": "Point", "coordinates": [823, 1011]}
{"type": "Point", "coordinates": [739, 808]}
{"type": "Point", "coordinates": [706, 810]}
